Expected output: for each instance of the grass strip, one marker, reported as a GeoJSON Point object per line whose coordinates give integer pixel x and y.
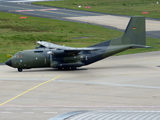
{"type": "Point", "coordinates": [122, 7]}
{"type": "Point", "coordinates": [21, 34]}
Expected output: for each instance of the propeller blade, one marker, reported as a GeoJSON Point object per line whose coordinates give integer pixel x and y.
{"type": "Point", "coordinates": [9, 55]}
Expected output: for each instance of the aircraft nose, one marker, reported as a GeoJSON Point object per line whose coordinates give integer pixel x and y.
{"type": "Point", "coordinates": [9, 62]}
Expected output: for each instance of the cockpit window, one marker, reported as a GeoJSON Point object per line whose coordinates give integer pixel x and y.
{"type": "Point", "coordinates": [18, 56]}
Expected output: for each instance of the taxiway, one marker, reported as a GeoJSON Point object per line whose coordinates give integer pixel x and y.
{"type": "Point", "coordinates": [119, 83]}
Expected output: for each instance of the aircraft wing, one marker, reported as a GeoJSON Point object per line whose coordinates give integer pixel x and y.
{"type": "Point", "coordinates": [65, 48]}
{"type": "Point", "coordinates": [51, 45]}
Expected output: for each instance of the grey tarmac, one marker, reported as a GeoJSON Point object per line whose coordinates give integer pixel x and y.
{"type": "Point", "coordinates": [118, 83]}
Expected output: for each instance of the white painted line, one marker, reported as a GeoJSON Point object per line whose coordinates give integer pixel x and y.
{"type": "Point", "coordinates": [6, 112]}
{"type": "Point", "coordinates": [81, 106]}
{"type": "Point", "coordinates": [50, 112]}
{"type": "Point", "coordinates": [35, 10]}
{"type": "Point", "coordinates": [110, 84]}
{"type": "Point", "coordinates": [13, 108]}
{"type": "Point", "coordinates": [28, 112]}
{"type": "Point", "coordinates": [69, 109]}
{"type": "Point", "coordinates": [40, 109]}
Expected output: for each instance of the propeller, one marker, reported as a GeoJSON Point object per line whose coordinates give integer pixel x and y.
{"type": "Point", "coordinates": [50, 56]}
{"type": "Point", "coordinates": [9, 55]}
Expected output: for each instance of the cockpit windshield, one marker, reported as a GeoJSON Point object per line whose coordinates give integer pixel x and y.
{"type": "Point", "coordinates": [18, 55]}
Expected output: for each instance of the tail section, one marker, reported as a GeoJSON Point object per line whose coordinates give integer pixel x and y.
{"type": "Point", "coordinates": [134, 34]}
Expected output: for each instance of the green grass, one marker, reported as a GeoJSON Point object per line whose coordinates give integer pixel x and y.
{"type": "Point", "coordinates": [123, 7]}
{"type": "Point", "coordinates": [20, 34]}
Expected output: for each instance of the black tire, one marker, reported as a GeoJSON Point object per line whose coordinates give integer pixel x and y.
{"type": "Point", "coordinates": [67, 68]}
{"type": "Point", "coordinates": [60, 68]}
{"type": "Point", "coordinates": [73, 68]}
{"type": "Point", "coordinates": [20, 69]}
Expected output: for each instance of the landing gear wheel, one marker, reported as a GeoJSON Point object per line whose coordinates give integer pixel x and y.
{"type": "Point", "coordinates": [67, 68]}
{"type": "Point", "coordinates": [73, 68]}
{"type": "Point", "coordinates": [20, 69]}
{"type": "Point", "coordinates": [60, 68]}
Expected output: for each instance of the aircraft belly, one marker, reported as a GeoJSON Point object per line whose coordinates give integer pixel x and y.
{"type": "Point", "coordinates": [111, 50]}
{"type": "Point", "coordinates": [92, 58]}
{"type": "Point", "coordinates": [71, 61]}
{"type": "Point", "coordinates": [56, 64]}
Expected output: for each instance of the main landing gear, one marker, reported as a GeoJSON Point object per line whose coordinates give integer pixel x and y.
{"type": "Point", "coordinates": [67, 68]}
{"type": "Point", "coordinates": [20, 69]}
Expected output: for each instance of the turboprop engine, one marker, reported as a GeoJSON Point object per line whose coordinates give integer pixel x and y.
{"type": "Point", "coordinates": [62, 59]}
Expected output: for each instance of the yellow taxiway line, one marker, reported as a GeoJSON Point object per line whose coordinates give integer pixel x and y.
{"type": "Point", "coordinates": [29, 90]}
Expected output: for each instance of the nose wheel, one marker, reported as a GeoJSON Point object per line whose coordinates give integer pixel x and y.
{"type": "Point", "coordinates": [20, 69]}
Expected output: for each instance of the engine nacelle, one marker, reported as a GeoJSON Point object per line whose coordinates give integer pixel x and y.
{"type": "Point", "coordinates": [58, 53]}
{"type": "Point", "coordinates": [55, 64]}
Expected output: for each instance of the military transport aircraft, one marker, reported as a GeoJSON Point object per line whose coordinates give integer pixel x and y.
{"type": "Point", "coordinates": [62, 57]}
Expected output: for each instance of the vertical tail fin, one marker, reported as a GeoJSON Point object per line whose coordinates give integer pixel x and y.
{"type": "Point", "coordinates": [135, 33]}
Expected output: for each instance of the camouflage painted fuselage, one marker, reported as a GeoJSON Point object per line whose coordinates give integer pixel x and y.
{"type": "Point", "coordinates": [39, 58]}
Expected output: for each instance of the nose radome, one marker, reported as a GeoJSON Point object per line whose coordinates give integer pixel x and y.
{"type": "Point", "coordinates": [9, 62]}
